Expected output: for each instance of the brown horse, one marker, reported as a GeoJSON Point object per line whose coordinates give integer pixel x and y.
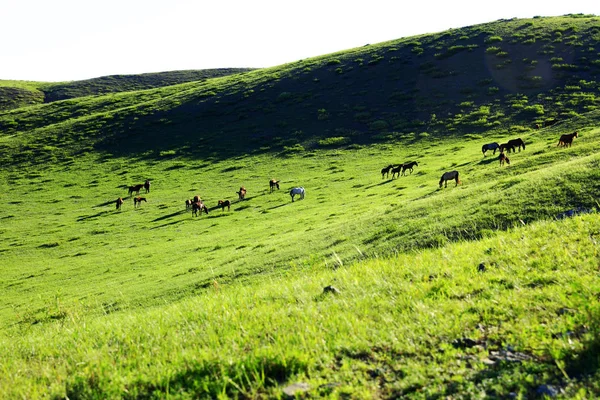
{"type": "Point", "coordinates": [386, 171]}
{"type": "Point", "coordinates": [409, 166]}
{"type": "Point", "coordinates": [147, 186]}
{"type": "Point", "coordinates": [518, 143]}
{"type": "Point", "coordinates": [198, 206]}
{"type": "Point", "coordinates": [135, 188]}
{"type": "Point", "coordinates": [119, 203]}
{"type": "Point", "coordinates": [567, 140]}
{"type": "Point", "coordinates": [508, 147]}
{"type": "Point", "coordinates": [242, 193]}
{"type": "Point", "coordinates": [503, 158]}
{"type": "Point", "coordinates": [223, 204]}
{"type": "Point", "coordinates": [273, 184]}
{"type": "Point", "coordinates": [196, 199]}
{"type": "Point", "coordinates": [448, 176]}
{"type": "Point", "coordinates": [138, 200]}
{"type": "Point", "coordinates": [188, 204]}
{"type": "Point", "coordinates": [396, 170]}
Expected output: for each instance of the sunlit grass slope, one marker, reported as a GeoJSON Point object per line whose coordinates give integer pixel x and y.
{"type": "Point", "coordinates": [425, 324]}
{"type": "Point", "coordinates": [477, 290]}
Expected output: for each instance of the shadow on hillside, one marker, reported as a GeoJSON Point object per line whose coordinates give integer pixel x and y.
{"type": "Point", "coordinates": [379, 184]}
{"type": "Point", "coordinates": [176, 213]}
{"type": "Point", "coordinates": [87, 217]}
{"type": "Point", "coordinates": [488, 160]}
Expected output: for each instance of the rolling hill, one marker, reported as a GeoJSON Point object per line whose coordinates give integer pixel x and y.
{"type": "Point", "coordinates": [370, 287]}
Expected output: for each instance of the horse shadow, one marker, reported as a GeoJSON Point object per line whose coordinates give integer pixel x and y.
{"type": "Point", "coordinates": [99, 214]}
{"type": "Point", "coordinates": [488, 160]}
{"type": "Point", "coordinates": [379, 184]}
{"type": "Point", "coordinates": [168, 216]}
{"type": "Point", "coordinates": [281, 205]}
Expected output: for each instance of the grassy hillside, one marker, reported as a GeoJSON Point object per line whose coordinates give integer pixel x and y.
{"type": "Point", "coordinates": [478, 290]}
{"type": "Point", "coordinates": [505, 75]}
{"type": "Point", "coordinates": [16, 94]}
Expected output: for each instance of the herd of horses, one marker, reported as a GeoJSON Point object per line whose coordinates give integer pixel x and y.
{"type": "Point", "coordinates": [504, 149]}
{"type": "Point", "coordinates": [198, 207]}
{"type": "Point", "coordinates": [399, 169]}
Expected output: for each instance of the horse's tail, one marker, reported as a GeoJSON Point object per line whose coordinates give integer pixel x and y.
{"type": "Point", "coordinates": [483, 149]}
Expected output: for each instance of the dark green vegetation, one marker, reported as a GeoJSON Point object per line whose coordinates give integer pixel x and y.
{"type": "Point", "coordinates": [152, 302]}
{"type": "Point", "coordinates": [15, 94]}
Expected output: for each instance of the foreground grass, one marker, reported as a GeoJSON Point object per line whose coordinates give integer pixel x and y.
{"type": "Point", "coordinates": [424, 324]}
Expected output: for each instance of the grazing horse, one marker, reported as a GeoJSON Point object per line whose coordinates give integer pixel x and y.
{"type": "Point", "coordinates": [448, 176]}
{"type": "Point", "coordinates": [147, 186]}
{"type": "Point", "coordinates": [567, 140]}
{"type": "Point", "coordinates": [295, 191]}
{"type": "Point", "coordinates": [409, 166]}
{"type": "Point", "coordinates": [188, 204]}
{"type": "Point", "coordinates": [503, 158]}
{"type": "Point", "coordinates": [517, 143]}
{"type": "Point", "coordinates": [396, 170]}
{"type": "Point", "coordinates": [198, 206]}
{"type": "Point", "coordinates": [138, 200]}
{"type": "Point", "coordinates": [507, 146]}
{"type": "Point", "coordinates": [135, 188]}
{"type": "Point", "coordinates": [119, 203]}
{"type": "Point", "coordinates": [273, 184]}
{"type": "Point", "coordinates": [242, 193]}
{"type": "Point", "coordinates": [386, 171]}
{"type": "Point", "coordinates": [223, 204]}
{"type": "Point", "coordinates": [490, 146]}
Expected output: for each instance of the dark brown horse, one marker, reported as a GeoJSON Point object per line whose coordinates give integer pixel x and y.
{"type": "Point", "coordinates": [242, 193]}
{"type": "Point", "coordinates": [518, 143]}
{"type": "Point", "coordinates": [198, 206]}
{"type": "Point", "coordinates": [223, 204]}
{"type": "Point", "coordinates": [196, 199]}
{"type": "Point", "coordinates": [448, 176]}
{"type": "Point", "coordinates": [396, 170]}
{"type": "Point", "coordinates": [508, 147]}
{"type": "Point", "coordinates": [567, 140]}
{"type": "Point", "coordinates": [119, 203]}
{"type": "Point", "coordinates": [273, 184]}
{"type": "Point", "coordinates": [503, 158]}
{"type": "Point", "coordinates": [147, 186]}
{"type": "Point", "coordinates": [386, 171]}
{"type": "Point", "coordinates": [138, 200]}
{"type": "Point", "coordinates": [136, 188]}
{"type": "Point", "coordinates": [188, 204]}
{"type": "Point", "coordinates": [409, 166]}
{"type": "Point", "coordinates": [489, 146]}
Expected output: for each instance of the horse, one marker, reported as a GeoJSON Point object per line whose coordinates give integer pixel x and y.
{"type": "Point", "coordinates": [297, 190]}
{"type": "Point", "coordinates": [138, 200]}
{"type": "Point", "coordinates": [386, 171]}
{"type": "Point", "coordinates": [196, 199]}
{"type": "Point", "coordinates": [147, 186]}
{"type": "Point", "coordinates": [273, 184]}
{"type": "Point", "coordinates": [517, 143]}
{"type": "Point", "coordinates": [503, 158]}
{"type": "Point", "coordinates": [448, 176]}
{"type": "Point", "coordinates": [506, 146]}
{"type": "Point", "coordinates": [242, 193]}
{"type": "Point", "coordinates": [409, 166]}
{"type": "Point", "coordinates": [119, 203]}
{"type": "Point", "coordinates": [489, 146]}
{"type": "Point", "coordinates": [135, 188]}
{"type": "Point", "coordinates": [567, 140]}
{"type": "Point", "coordinates": [198, 206]}
{"type": "Point", "coordinates": [188, 204]}
{"type": "Point", "coordinates": [223, 204]}
{"type": "Point", "coordinates": [396, 170]}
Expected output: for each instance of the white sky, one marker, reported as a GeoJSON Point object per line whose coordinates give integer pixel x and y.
{"type": "Point", "coordinates": [63, 40]}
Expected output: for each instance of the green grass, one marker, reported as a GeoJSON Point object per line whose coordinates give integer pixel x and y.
{"type": "Point", "coordinates": [154, 303]}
